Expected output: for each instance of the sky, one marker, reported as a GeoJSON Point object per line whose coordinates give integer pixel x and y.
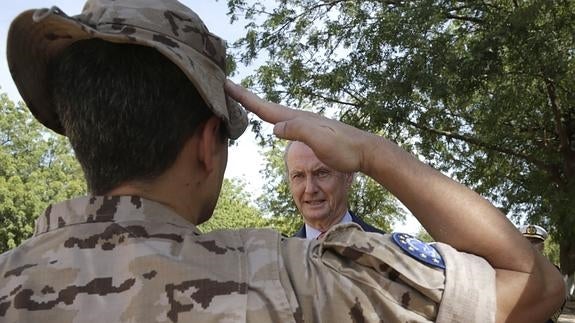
{"type": "Point", "coordinates": [244, 159]}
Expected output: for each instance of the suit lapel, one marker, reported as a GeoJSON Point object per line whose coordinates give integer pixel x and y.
{"type": "Point", "coordinates": [300, 233]}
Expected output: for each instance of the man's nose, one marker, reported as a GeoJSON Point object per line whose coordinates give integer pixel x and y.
{"type": "Point", "coordinates": [311, 184]}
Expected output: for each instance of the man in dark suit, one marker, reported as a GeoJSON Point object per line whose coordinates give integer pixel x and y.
{"type": "Point", "coordinates": [319, 192]}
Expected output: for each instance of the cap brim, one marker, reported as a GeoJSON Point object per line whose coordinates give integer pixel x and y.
{"type": "Point", "coordinates": [534, 236]}
{"type": "Point", "coordinates": [32, 43]}
{"type": "Point", "coordinates": [29, 52]}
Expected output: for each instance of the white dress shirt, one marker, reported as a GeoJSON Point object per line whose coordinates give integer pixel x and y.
{"type": "Point", "coordinates": [312, 233]}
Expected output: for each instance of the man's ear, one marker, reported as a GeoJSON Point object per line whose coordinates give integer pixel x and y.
{"type": "Point", "coordinates": [349, 177]}
{"type": "Point", "coordinates": [209, 142]}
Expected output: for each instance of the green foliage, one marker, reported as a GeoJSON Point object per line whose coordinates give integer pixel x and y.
{"type": "Point", "coordinates": [277, 196]}
{"type": "Point", "coordinates": [233, 210]}
{"type": "Point", "coordinates": [367, 198]}
{"type": "Point", "coordinates": [374, 203]}
{"type": "Point", "coordinates": [37, 169]}
{"type": "Point", "coordinates": [551, 250]}
{"type": "Point", "coordinates": [424, 236]}
{"type": "Point", "coordinates": [286, 225]}
{"type": "Point", "coordinates": [276, 202]}
{"type": "Point", "coordinates": [482, 90]}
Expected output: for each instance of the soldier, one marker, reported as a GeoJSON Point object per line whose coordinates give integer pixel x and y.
{"type": "Point", "coordinates": [138, 88]}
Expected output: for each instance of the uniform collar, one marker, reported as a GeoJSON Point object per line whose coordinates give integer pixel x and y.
{"type": "Point", "coordinates": [91, 209]}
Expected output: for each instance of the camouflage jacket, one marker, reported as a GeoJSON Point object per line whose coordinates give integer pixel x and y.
{"type": "Point", "coordinates": [127, 259]}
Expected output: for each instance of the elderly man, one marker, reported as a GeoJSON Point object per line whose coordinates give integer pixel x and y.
{"type": "Point", "coordinates": [319, 192]}
{"type": "Point", "coordinates": [138, 88]}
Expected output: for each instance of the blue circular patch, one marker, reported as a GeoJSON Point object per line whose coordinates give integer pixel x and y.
{"type": "Point", "coordinates": [419, 250]}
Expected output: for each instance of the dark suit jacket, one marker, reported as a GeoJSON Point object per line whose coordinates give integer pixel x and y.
{"type": "Point", "coordinates": [355, 219]}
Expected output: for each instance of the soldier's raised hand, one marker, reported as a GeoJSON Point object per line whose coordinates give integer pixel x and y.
{"type": "Point", "coordinates": [336, 144]}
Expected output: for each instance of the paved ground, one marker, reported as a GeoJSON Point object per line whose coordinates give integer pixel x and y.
{"type": "Point", "coordinates": [568, 315]}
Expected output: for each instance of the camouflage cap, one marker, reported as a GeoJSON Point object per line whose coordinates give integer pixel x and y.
{"type": "Point", "coordinates": [37, 36]}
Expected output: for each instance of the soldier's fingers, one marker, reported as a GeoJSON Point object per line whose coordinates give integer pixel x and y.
{"type": "Point", "coordinates": [267, 111]}
{"type": "Point", "coordinates": [312, 131]}
{"type": "Point", "coordinates": [290, 130]}
{"type": "Point", "coordinates": [332, 141]}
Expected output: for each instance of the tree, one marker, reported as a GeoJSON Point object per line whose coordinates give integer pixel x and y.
{"type": "Point", "coordinates": [276, 201]}
{"type": "Point", "coordinates": [233, 210]}
{"type": "Point", "coordinates": [423, 235]}
{"type": "Point", "coordinates": [37, 169]}
{"type": "Point", "coordinates": [483, 90]}
{"type": "Point", "coordinates": [367, 198]}
{"type": "Point", "coordinates": [551, 250]}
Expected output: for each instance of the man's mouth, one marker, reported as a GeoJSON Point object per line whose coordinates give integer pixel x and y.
{"type": "Point", "coordinates": [314, 202]}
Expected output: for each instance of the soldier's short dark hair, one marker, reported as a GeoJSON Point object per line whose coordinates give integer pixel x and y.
{"type": "Point", "coordinates": [126, 109]}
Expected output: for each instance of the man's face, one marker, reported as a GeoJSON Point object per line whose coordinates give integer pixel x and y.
{"type": "Point", "coordinates": [319, 192]}
{"type": "Point", "coordinates": [537, 243]}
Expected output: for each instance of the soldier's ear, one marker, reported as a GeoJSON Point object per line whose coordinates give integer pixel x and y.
{"type": "Point", "coordinates": [209, 143]}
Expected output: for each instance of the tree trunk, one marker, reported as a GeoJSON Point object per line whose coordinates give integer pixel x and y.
{"type": "Point", "coordinates": [567, 257]}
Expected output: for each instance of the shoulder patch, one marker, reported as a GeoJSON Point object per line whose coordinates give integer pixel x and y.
{"type": "Point", "coordinates": [419, 250]}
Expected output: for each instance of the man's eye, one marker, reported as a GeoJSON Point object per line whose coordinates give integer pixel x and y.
{"type": "Point", "coordinates": [296, 176]}
{"type": "Point", "coordinates": [323, 173]}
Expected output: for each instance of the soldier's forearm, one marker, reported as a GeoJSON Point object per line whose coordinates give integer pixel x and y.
{"type": "Point", "coordinates": [449, 211]}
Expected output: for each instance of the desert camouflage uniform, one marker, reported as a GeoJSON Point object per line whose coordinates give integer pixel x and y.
{"type": "Point", "coordinates": [127, 259]}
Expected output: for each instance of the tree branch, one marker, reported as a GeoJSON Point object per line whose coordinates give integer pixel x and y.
{"type": "Point", "coordinates": [553, 173]}
{"type": "Point", "coordinates": [464, 18]}
{"type": "Point", "coordinates": [332, 100]}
